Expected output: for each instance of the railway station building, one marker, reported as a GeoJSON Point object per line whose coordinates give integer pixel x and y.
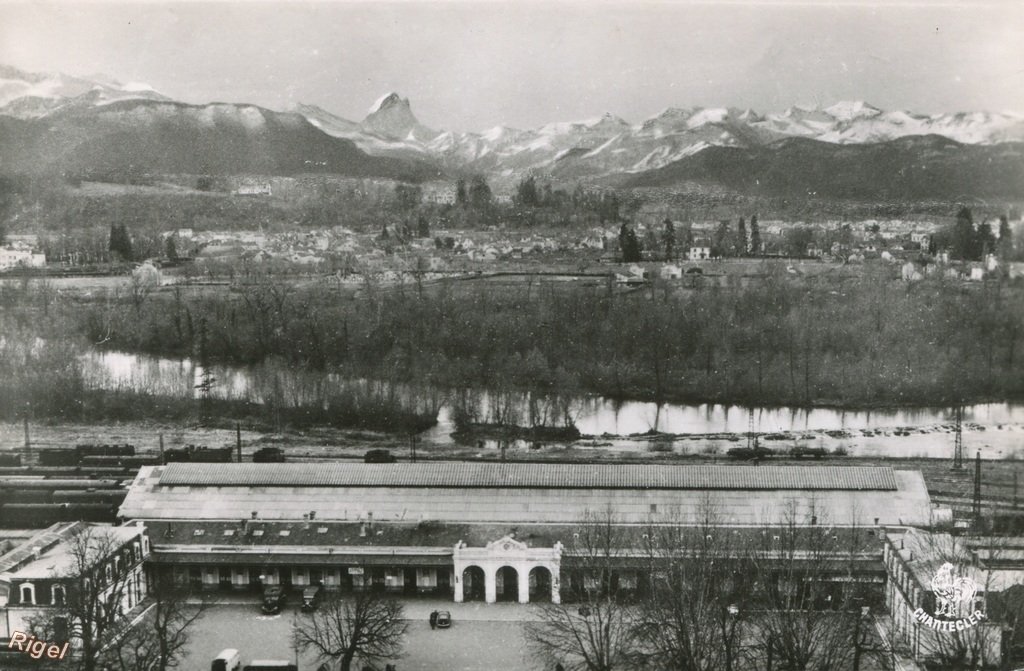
{"type": "Point", "coordinates": [480, 531]}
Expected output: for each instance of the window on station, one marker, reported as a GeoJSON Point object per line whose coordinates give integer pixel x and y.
{"type": "Point", "coordinates": [28, 594]}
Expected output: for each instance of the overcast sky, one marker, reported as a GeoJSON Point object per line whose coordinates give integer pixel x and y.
{"type": "Point", "coordinates": [473, 65]}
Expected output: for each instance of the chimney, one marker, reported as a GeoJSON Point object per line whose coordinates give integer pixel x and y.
{"type": "Point", "coordinates": [245, 525]}
{"type": "Point", "coordinates": [312, 514]}
{"type": "Point", "coordinates": [362, 530]}
{"type": "Point", "coordinates": [369, 521]}
{"type": "Point", "coordinates": [254, 513]}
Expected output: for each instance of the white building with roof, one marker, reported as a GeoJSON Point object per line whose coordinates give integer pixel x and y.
{"type": "Point", "coordinates": [38, 575]}
{"type": "Point", "coordinates": [467, 530]}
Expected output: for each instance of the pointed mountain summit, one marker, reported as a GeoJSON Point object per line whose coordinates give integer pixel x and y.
{"type": "Point", "coordinates": [391, 117]}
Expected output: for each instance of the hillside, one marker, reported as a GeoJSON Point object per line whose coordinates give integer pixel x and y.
{"type": "Point", "coordinates": [144, 136]}
{"type": "Point", "coordinates": [909, 168]}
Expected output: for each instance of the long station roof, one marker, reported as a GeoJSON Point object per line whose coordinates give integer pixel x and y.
{"type": "Point", "coordinates": [529, 476]}
{"type": "Point", "coordinates": [511, 493]}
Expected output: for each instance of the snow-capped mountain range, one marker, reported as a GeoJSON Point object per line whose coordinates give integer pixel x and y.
{"type": "Point", "coordinates": [610, 145]}
{"type": "Point", "coordinates": [602, 146]}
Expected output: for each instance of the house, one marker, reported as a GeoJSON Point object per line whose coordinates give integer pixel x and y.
{"type": "Point", "coordinates": [20, 258]}
{"type": "Point", "coordinates": [443, 194]}
{"type": "Point", "coordinates": [910, 273]}
{"type": "Point", "coordinates": [670, 271]}
{"type": "Point", "coordinates": [921, 238]}
{"type": "Point", "coordinates": [37, 575]}
{"type": "Point", "coordinates": [700, 250]}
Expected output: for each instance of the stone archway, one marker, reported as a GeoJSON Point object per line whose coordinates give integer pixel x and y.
{"type": "Point", "coordinates": [540, 583]}
{"type": "Point", "coordinates": [507, 584]}
{"type": "Point", "coordinates": [473, 584]}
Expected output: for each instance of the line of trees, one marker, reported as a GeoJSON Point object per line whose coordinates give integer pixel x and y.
{"type": "Point", "coordinates": [780, 340]}
{"type": "Point", "coordinates": [719, 598]}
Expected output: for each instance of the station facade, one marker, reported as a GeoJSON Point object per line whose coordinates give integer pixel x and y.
{"type": "Point", "coordinates": [476, 531]}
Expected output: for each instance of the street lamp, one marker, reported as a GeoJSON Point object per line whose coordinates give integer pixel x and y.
{"type": "Point", "coordinates": [732, 614]}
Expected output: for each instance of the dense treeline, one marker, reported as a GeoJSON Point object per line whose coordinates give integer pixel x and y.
{"type": "Point", "coordinates": [781, 340]}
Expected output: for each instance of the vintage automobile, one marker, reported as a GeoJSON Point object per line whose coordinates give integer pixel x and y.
{"type": "Point", "coordinates": [273, 599]}
{"type": "Point", "coordinates": [311, 597]}
{"type": "Point", "coordinates": [444, 619]}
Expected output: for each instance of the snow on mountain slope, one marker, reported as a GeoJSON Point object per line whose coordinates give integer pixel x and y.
{"type": "Point", "coordinates": [602, 145]}
{"type": "Point", "coordinates": [32, 95]}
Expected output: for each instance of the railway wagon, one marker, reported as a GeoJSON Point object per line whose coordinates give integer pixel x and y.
{"type": "Point", "coordinates": [114, 461]}
{"type": "Point", "coordinates": [10, 460]}
{"type": "Point", "coordinates": [104, 450]}
{"type": "Point", "coordinates": [57, 483]}
{"type": "Point", "coordinates": [115, 496]}
{"type": "Point", "coordinates": [269, 455]}
{"type": "Point", "coordinates": [30, 515]}
{"type": "Point", "coordinates": [58, 456]}
{"type": "Point", "coordinates": [26, 495]}
{"type": "Point", "coordinates": [191, 453]}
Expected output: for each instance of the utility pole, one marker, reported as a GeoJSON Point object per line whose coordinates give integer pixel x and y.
{"type": "Point", "coordinates": [977, 490]}
{"type": "Point", "coordinates": [750, 428]}
{"type": "Point", "coordinates": [161, 448]}
{"type": "Point", "coordinates": [238, 440]}
{"type": "Point", "coordinates": [28, 441]}
{"type": "Point", "coordinates": [958, 445]}
{"type": "Point", "coordinates": [413, 440]}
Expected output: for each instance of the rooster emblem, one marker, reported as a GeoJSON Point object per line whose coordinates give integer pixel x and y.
{"type": "Point", "coordinates": [952, 594]}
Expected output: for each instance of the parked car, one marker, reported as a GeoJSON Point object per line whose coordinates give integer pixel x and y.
{"type": "Point", "coordinates": [311, 597]}
{"type": "Point", "coordinates": [227, 660]}
{"type": "Point", "coordinates": [444, 619]}
{"type": "Point", "coordinates": [273, 599]}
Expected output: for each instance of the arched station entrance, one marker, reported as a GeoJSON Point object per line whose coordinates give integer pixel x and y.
{"type": "Point", "coordinates": [540, 584]}
{"type": "Point", "coordinates": [507, 584]}
{"type": "Point", "coordinates": [473, 584]}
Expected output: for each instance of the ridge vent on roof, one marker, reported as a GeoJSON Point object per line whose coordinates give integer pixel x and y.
{"type": "Point", "coordinates": [461, 475]}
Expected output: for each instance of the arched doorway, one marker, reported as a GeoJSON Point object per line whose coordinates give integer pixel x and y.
{"type": "Point", "coordinates": [473, 584]}
{"type": "Point", "coordinates": [540, 584]}
{"type": "Point", "coordinates": [507, 584]}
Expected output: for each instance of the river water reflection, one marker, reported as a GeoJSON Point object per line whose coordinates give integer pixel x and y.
{"type": "Point", "coordinates": [995, 428]}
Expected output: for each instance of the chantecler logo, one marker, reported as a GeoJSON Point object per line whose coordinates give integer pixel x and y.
{"type": "Point", "coordinates": [954, 602]}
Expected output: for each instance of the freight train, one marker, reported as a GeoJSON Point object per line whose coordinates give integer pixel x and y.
{"type": "Point", "coordinates": [27, 502]}
{"type": "Point", "coordinates": [75, 456]}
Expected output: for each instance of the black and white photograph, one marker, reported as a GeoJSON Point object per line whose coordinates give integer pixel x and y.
{"type": "Point", "coordinates": [511, 335]}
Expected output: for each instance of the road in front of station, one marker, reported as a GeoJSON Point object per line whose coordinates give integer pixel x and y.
{"type": "Point", "coordinates": [482, 637]}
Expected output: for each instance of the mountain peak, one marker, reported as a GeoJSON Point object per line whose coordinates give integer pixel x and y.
{"type": "Point", "coordinates": [387, 101]}
{"type": "Point", "coordinates": [391, 117]}
{"type": "Point", "coordinates": [847, 110]}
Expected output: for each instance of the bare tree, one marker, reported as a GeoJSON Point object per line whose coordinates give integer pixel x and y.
{"type": "Point", "coordinates": [160, 637]}
{"type": "Point", "coordinates": [811, 606]}
{"type": "Point", "coordinates": [597, 630]}
{"type": "Point", "coordinates": [695, 617]}
{"type": "Point", "coordinates": [364, 626]}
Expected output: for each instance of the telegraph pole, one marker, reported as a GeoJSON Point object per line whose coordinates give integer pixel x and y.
{"type": "Point", "coordinates": [958, 445]}
{"type": "Point", "coordinates": [977, 490]}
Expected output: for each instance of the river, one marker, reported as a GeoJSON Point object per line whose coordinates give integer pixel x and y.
{"type": "Point", "coordinates": [994, 429]}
